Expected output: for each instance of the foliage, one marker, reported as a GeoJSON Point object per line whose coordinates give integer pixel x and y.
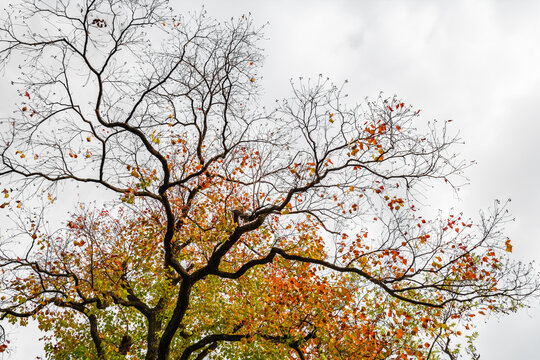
{"type": "Point", "coordinates": [231, 232]}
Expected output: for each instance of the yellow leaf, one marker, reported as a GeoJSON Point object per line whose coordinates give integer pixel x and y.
{"type": "Point", "coordinates": [508, 245]}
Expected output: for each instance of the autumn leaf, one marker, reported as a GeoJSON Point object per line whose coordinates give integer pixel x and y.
{"type": "Point", "coordinates": [508, 245]}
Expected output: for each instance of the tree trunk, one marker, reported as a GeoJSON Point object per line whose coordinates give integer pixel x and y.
{"type": "Point", "coordinates": [152, 337]}
{"type": "Point", "coordinates": [179, 311]}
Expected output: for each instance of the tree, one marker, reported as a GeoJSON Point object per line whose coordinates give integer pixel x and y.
{"type": "Point", "coordinates": [230, 231]}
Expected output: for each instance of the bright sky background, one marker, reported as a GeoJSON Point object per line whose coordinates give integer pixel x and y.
{"type": "Point", "coordinates": [475, 62]}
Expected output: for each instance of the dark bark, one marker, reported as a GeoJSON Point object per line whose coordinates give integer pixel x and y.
{"type": "Point", "coordinates": [210, 340]}
{"type": "Point", "coordinates": [152, 338]}
{"type": "Point", "coordinates": [125, 344]}
{"type": "Point", "coordinates": [94, 332]}
{"type": "Point", "coordinates": [182, 304]}
{"type": "Point", "coordinates": [206, 350]}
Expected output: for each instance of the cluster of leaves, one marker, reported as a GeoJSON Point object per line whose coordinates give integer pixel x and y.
{"type": "Point", "coordinates": [232, 232]}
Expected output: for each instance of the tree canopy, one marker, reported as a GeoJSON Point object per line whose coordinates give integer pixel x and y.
{"type": "Point", "coordinates": [229, 230]}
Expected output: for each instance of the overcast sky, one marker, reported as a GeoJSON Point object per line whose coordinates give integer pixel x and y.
{"type": "Point", "coordinates": [475, 62]}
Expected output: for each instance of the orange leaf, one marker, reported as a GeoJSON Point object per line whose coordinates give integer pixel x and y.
{"type": "Point", "coordinates": [508, 245]}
